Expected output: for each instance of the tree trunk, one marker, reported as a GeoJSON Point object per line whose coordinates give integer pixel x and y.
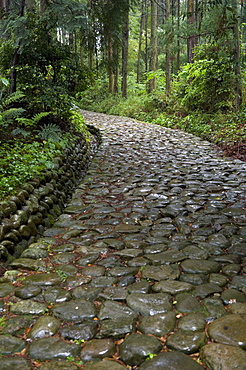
{"type": "Point", "coordinates": [140, 43]}
{"type": "Point", "coordinates": [15, 59]}
{"type": "Point", "coordinates": [90, 59]}
{"type": "Point", "coordinates": [43, 5]}
{"type": "Point", "coordinates": [168, 72]}
{"type": "Point", "coordinates": [125, 56]}
{"type": "Point", "coordinates": [178, 38]}
{"type": "Point", "coordinates": [236, 57]}
{"type": "Point", "coordinates": [4, 6]}
{"type": "Point", "coordinates": [146, 5]}
{"type": "Point", "coordinates": [116, 79]}
{"type": "Point", "coordinates": [191, 41]}
{"type": "Point", "coordinates": [153, 44]}
{"type": "Point", "coordinates": [110, 67]}
{"type": "Point", "coordinates": [116, 67]}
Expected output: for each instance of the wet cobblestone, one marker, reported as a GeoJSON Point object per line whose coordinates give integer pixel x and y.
{"type": "Point", "coordinates": [145, 269]}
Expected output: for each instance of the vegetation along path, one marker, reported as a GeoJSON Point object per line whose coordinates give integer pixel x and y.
{"type": "Point", "coordinates": [145, 269]}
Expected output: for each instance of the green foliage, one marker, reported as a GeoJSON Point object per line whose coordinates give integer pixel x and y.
{"type": "Point", "coordinates": [79, 124]}
{"type": "Point", "coordinates": [32, 121]}
{"type": "Point", "coordinates": [2, 321]}
{"type": "Point", "coordinates": [13, 98]}
{"type": "Point", "coordinates": [4, 82]}
{"type": "Point", "coordinates": [63, 276]}
{"type": "Point", "coordinates": [8, 116]}
{"type": "Point", "coordinates": [151, 356]}
{"type": "Point", "coordinates": [206, 86]}
{"type": "Point", "coordinates": [50, 131]}
{"type": "Point", "coordinates": [20, 131]}
{"type": "Point", "coordinates": [8, 113]}
{"type": "Point", "coordinates": [20, 162]}
{"type": "Point", "coordinates": [139, 105]}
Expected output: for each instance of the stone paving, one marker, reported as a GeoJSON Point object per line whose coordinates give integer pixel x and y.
{"type": "Point", "coordinates": [145, 269]}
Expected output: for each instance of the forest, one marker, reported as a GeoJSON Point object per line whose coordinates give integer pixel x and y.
{"type": "Point", "coordinates": [179, 64]}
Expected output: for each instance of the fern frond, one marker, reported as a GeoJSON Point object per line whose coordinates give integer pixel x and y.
{"type": "Point", "coordinates": [16, 96]}
{"type": "Point", "coordinates": [24, 121]}
{"type": "Point", "coordinates": [37, 117]}
{"type": "Point", "coordinates": [13, 113]}
{"type": "Point", "coordinates": [18, 131]}
{"type": "Point", "coordinates": [50, 131]}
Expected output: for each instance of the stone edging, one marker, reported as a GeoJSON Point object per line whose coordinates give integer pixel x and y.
{"type": "Point", "coordinates": [39, 202]}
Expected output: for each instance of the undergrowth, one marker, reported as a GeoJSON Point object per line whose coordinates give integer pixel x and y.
{"type": "Point", "coordinates": [223, 128]}
{"type": "Point", "coordinates": [25, 152]}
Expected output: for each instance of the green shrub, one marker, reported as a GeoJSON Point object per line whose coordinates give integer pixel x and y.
{"type": "Point", "coordinates": [20, 162]}
{"type": "Point", "coordinates": [208, 84]}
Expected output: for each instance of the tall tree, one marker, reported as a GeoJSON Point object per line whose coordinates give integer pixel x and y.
{"type": "Point", "coordinates": [15, 59]}
{"type": "Point", "coordinates": [168, 41]}
{"type": "Point", "coordinates": [236, 54]}
{"type": "Point", "coordinates": [140, 40]}
{"type": "Point", "coordinates": [153, 44]}
{"type": "Point", "coordinates": [191, 19]}
{"type": "Point", "coordinates": [125, 41]}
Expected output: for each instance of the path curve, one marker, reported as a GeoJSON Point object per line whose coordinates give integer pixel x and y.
{"type": "Point", "coordinates": [145, 269]}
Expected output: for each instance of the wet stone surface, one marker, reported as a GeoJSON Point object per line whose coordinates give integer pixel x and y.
{"type": "Point", "coordinates": [145, 269]}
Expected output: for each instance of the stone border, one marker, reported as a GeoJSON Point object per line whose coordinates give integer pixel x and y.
{"type": "Point", "coordinates": [24, 216]}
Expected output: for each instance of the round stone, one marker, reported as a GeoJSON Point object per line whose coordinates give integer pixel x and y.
{"type": "Point", "coordinates": [187, 303]}
{"type": "Point", "coordinates": [200, 266]}
{"type": "Point", "coordinates": [229, 329]}
{"type": "Point", "coordinates": [60, 258]}
{"type": "Point", "coordinates": [233, 296]}
{"type": "Point", "coordinates": [6, 289]}
{"type": "Point", "coordinates": [218, 279]}
{"type": "Point", "coordinates": [93, 271]}
{"type": "Point", "coordinates": [173, 360]}
{"type": "Point", "coordinates": [43, 279]}
{"type": "Point", "coordinates": [104, 365]}
{"type": "Point", "coordinates": [97, 349]}
{"type": "Point", "coordinates": [159, 324]}
{"type": "Point", "coordinates": [52, 348]}
{"type": "Point", "coordinates": [232, 269]}
{"type": "Point", "coordinates": [28, 307]}
{"type": "Point", "coordinates": [221, 356]}
{"type": "Point", "coordinates": [56, 295]}
{"type": "Point", "coordinates": [28, 291]}
{"type": "Point", "coordinates": [10, 363]}
{"type": "Point", "coordinates": [76, 310]}
{"type": "Point", "coordinates": [85, 331]}
{"type": "Point", "coordinates": [45, 326]}
{"type": "Point", "coordinates": [172, 287]}
{"type": "Point", "coordinates": [149, 304]}
{"type": "Point", "coordinates": [161, 272]}
{"type": "Point", "coordinates": [58, 365]}
{"type": "Point", "coordinates": [10, 344]}
{"type": "Point", "coordinates": [136, 348]}
{"type": "Point", "coordinates": [192, 322]}
{"type": "Point", "coordinates": [186, 342]}
{"type": "Point", "coordinates": [204, 290]}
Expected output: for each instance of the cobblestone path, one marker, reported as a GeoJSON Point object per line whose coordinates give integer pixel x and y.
{"type": "Point", "coordinates": [145, 269]}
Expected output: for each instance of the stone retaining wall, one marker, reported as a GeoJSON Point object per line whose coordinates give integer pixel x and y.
{"type": "Point", "coordinates": [39, 202]}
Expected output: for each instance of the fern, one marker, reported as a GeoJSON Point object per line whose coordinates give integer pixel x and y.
{"type": "Point", "coordinates": [13, 98]}
{"type": "Point", "coordinates": [20, 131]}
{"type": "Point", "coordinates": [34, 120]}
{"type": "Point", "coordinates": [9, 115]}
{"type": "Point", "coordinates": [50, 131]}
{"type": "Point", "coordinates": [39, 116]}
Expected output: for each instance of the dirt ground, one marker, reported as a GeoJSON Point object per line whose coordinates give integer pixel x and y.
{"type": "Point", "coordinates": [236, 150]}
